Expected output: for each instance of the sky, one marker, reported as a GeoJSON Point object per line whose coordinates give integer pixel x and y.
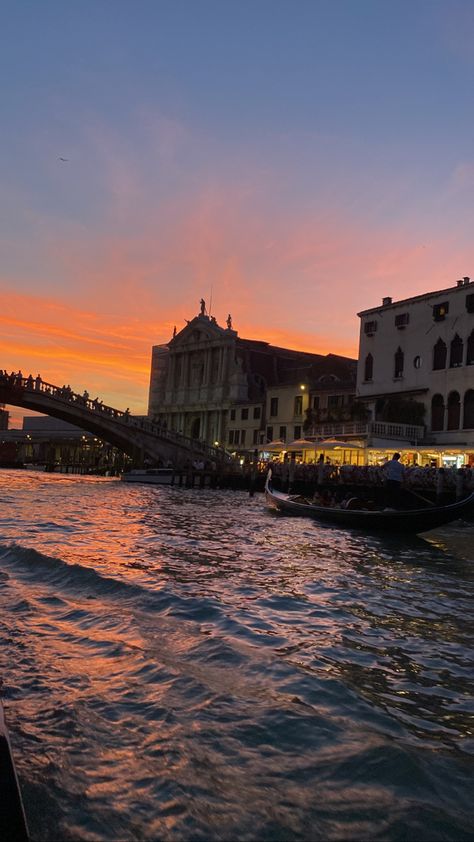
{"type": "Point", "coordinates": [290, 161]}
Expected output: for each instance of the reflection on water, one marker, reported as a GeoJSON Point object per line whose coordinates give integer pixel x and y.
{"type": "Point", "coordinates": [183, 664]}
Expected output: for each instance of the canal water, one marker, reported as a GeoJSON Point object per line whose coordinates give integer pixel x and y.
{"type": "Point", "coordinates": [187, 665]}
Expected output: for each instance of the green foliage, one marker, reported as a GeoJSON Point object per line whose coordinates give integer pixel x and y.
{"type": "Point", "coordinates": [402, 411]}
{"type": "Point", "coordinates": [359, 411]}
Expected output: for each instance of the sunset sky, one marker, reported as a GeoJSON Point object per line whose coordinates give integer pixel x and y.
{"type": "Point", "coordinates": [296, 159]}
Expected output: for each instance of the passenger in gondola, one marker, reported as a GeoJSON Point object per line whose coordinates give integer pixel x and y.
{"type": "Point", "coordinates": [318, 499]}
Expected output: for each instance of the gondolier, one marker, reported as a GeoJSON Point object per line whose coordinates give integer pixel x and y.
{"type": "Point", "coordinates": [395, 474]}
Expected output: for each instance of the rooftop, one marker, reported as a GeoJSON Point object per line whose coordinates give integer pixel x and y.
{"type": "Point", "coordinates": [461, 286]}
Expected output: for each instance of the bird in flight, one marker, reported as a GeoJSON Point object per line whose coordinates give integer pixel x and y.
{"type": "Point", "coordinates": [63, 159]}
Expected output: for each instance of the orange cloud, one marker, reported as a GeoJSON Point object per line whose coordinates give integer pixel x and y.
{"type": "Point", "coordinates": [106, 354]}
{"type": "Point", "coordinates": [294, 276]}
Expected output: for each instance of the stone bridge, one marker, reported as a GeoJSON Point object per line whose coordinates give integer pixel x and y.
{"type": "Point", "coordinates": [138, 437]}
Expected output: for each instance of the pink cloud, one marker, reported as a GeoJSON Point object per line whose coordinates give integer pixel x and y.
{"type": "Point", "coordinates": [119, 282]}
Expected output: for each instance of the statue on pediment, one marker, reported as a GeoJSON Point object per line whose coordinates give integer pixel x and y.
{"type": "Point", "coordinates": [229, 322]}
{"type": "Point", "coordinates": [203, 307]}
{"type": "Point", "coordinates": [174, 331]}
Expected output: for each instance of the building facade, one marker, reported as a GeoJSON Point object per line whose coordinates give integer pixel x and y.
{"type": "Point", "coordinates": [58, 446]}
{"type": "Point", "coordinates": [213, 385]}
{"type": "Point", "coordinates": [416, 364]}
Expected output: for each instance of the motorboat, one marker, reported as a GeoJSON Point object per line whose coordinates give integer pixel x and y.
{"type": "Point", "coordinates": [151, 476]}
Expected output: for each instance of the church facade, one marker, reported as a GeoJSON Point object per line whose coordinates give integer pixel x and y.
{"type": "Point", "coordinates": [210, 384]}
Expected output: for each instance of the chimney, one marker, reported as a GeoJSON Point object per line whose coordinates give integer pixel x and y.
{"type": "Point", "coordinates": [386, 301]}
{"type": "Point", "coordinates": [466, 281]}
{"type": "Point", "coordinates": [460, 283]}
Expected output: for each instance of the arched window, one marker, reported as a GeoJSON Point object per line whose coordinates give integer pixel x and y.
{"type": "Point", "coordinates": [454, 410]}
{"type": "Point", "coordinates": [470, 349]}
{"type": "Point", "coordinates": [439, 355]}
{"type": "Point", "coordinates": [437, 413]}
{"type": "Point", "coordinates": [468, 417]}
{"type": "Point", "coordinates": [456, 352]}
{"type": "Point", "coordinates": [399, 360]}
{"type": "Point", "coordinates": [369, 367]}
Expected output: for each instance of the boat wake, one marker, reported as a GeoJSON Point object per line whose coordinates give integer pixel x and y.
{"type": "Point", "coordinates": [74, 579]}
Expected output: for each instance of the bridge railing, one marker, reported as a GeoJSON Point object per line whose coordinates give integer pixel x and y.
{"type": "Point", "coordinates": [66, 395]}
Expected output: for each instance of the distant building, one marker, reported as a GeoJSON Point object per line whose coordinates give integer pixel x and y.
{"type": "Point", "coordinates": [210, 384]}
{"type": "Point", "coordinates": [58, 445]}
{"type": "Point", "coordinates": [416, 366]}
{"type": "Point", "coordinates": [45, 423]}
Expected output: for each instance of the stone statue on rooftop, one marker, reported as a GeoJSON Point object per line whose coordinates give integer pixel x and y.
{"type": "Point", "coordinates": [203, 307]}
{"type": "Point", "coordinates": [229, 322]}
{"type": "Point", "coordinates": [174, 331]}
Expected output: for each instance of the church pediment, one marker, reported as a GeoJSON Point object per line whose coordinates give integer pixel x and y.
{"type": "Point", "coordinates": [199, 330]}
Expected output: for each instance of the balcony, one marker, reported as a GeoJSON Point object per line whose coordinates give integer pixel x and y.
{"type": "Point", "coordinates": [367, 430]}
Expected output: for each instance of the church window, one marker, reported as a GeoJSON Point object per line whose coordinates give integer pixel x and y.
{"type": "Point", "coordinates": [456, 352]}
{"type": "Point", "coordinates": [399, 362]}
{"type": "Point", "coordinates": [440, 311]}
{"type": "Point", "coordinates": [454, 410]}
{"type": "Point", "coordinates": [437, 413]}
{"type": "Point", "coordinates": [468, 416]}
{"type": "Point", "coordinates": [439, 355]}
{"type": "Point", "coordinates": [470, 349]}
{"type": "Point", "coordinates": [369, 367]}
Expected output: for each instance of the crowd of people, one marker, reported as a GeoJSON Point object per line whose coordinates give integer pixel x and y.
{"type": "Point", "coordinates": [414, 476]}
{"type": "Point", "coordinates": [323, 471]}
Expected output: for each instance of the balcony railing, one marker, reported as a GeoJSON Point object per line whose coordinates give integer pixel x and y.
{"type": "Point", "coordinates": [381, 429]}
{"type": "Point", "coordinates": [392, 430]}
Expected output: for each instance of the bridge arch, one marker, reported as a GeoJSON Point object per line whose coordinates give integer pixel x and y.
{"type": "Point", "coordinates": [139, 438]}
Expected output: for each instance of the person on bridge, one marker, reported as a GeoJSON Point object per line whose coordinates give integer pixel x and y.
{"type": "Point", "coordinates": [38, 382]}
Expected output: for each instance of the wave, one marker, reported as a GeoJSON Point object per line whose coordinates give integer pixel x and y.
{"type": "Point", "coordinates": [33, 567]}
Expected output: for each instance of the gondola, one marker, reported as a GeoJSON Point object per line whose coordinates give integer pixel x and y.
{"type": "Point", "coordinates": [393, 520]}
{"type": "Point", "coordinates": [12, 815]}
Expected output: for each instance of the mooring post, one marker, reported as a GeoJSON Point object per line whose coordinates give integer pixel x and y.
{"type": "Point", "coordinates": [459, 484]}
{"type": "Point", "coordinates": [291, 472]}
{"type": "Point", "coordinates": [440, 484]}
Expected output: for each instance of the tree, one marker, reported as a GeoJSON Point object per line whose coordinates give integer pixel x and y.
{"type": "Point", "coordinates": [403, 411]}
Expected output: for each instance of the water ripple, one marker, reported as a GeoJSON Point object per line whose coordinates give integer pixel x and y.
{"type": "Point", "coordinates": [182, 664]}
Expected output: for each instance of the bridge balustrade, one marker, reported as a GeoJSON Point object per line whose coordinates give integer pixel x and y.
{"type": "Point", "coordinates": [66, 395]}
